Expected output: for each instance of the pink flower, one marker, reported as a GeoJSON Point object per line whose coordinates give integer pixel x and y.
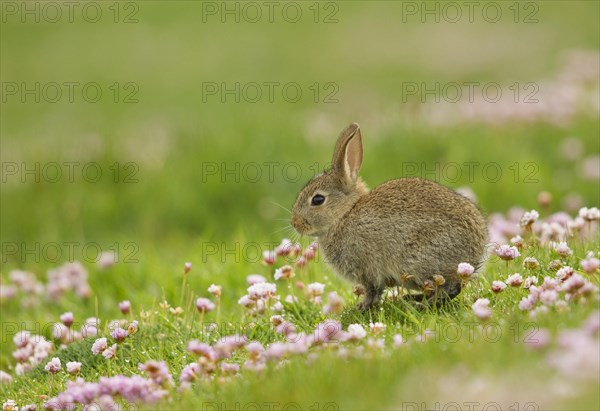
{"type": "Point", "coordinates": [515, 280]}
{"type": "Point", "coordinates": [187, 267]}
{"type": "Point", "coordinates": [67, 319]}
{"type": "Point", "coordinates": [465, 270]}
{"type": "Point", "coordinates": [276, 320]}
{"type": "Point", "coordinates": [398, 340]}
{"type": "Point", "coordinates": [530, 263]}
{"type": "Point", "coordinates": [99, 346]}
{"type": "Point", "coordinates": [73, 367]}
{"type": "Point", "coordinates": [498, 286]}
{"type": "Point", "coordinates": [309, 253]}
{"type": "Point", "coordinates": [119, 334]}
{"type": "Point", "coordinates": [518, 241]}
{"type": "Point", "coordinates": [246, 302]}
{"type": "Point", "coordinates": [255, 279]}
{"type": "Point", "coordinates": [204, 305]}
{"type": "Point", "coordinates": [564, 273]}
{"type": "Point", "coordinates": [5, 378]}
{"type": "Point", "coordinates": [315, 289]}
{"type": "Point", "coordinates": [261, 290]}
{"type": "Point", "coordinates": [481, 310]}
{"type": "Point", "coordinates": [269, 257]}
{"type": "Point", "coordinates": [539, 339]}
{"type": "Point", "coordinates": [355, 332]}
{"type": "Point", "coordinates": [277, 307]}
{"type": "Point", "coordinates": [549, 297]}
{"type": "Point", "coordinates": [529, 281]}
{"type": "Point", "coordinates": [199, 348]}
{"type": "Point", "coordinates": [215, 290]}
{"type": "Point", "coordinates": [590, 264]}
{"type": "Point", "coordinates": [230, 368]}
{"type": "Point", "coordinates": [335, 303]}
{"type": "Point", "coordinates": [158, 371]}
{"type": "Point", "coordinates": [529, 218]}
{"type": "Point", "coordinates": [276, 350]}
{"type": "Point", "coordinates": [110, 352]}
{"type": "Point", "coordinates": [562, 249]}
{"type": "Point", "coordinates": [189, 373]}
{"type": "Point", "coordinates": [53, 366]}
{"type": "Point", "coordinates": [286, 272]}
{"type": "Point", "coordinates": [589, 214]}
{"type": "Point", "coordinates": [507, 252]}
{"type": "Point", "coordinates": [125, 306]}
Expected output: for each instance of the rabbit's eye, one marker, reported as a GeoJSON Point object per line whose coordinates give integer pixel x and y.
{"type": "Point", "coordinates": [317, 200]}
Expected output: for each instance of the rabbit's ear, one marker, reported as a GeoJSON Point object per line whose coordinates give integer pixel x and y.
{"type": "Point", "coordinates": [348, 154]}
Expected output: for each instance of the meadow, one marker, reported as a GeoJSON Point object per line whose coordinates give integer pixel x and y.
{"type": "Point", "coordinates": [150, 152]}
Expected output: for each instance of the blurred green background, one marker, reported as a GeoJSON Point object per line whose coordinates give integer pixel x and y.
{"type": "Point", "coordinates": [155, 122]}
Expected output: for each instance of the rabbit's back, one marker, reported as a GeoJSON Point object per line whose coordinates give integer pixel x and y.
{"type": "Point", "coordinates": [407, 226]}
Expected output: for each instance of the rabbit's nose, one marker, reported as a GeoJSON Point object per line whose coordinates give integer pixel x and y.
{"type": "Point", "coordinates": [298, 222]}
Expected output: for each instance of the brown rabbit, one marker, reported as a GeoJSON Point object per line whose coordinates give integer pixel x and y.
{"type": "Point", "coordinates": [408, 232]}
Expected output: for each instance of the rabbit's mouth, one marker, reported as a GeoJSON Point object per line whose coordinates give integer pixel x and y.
{"type": "Point", "coordinates": [302, 226]}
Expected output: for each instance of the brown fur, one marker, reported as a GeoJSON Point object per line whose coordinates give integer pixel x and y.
{"type": "Point", "coordinates": [404, 232]}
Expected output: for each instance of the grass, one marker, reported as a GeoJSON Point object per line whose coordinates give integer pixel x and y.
{"type": "Point", "coordinates": [179, 208]}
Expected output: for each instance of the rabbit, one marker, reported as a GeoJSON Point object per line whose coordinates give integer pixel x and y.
{"type": "Point", "coordinates": [408, 232]}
